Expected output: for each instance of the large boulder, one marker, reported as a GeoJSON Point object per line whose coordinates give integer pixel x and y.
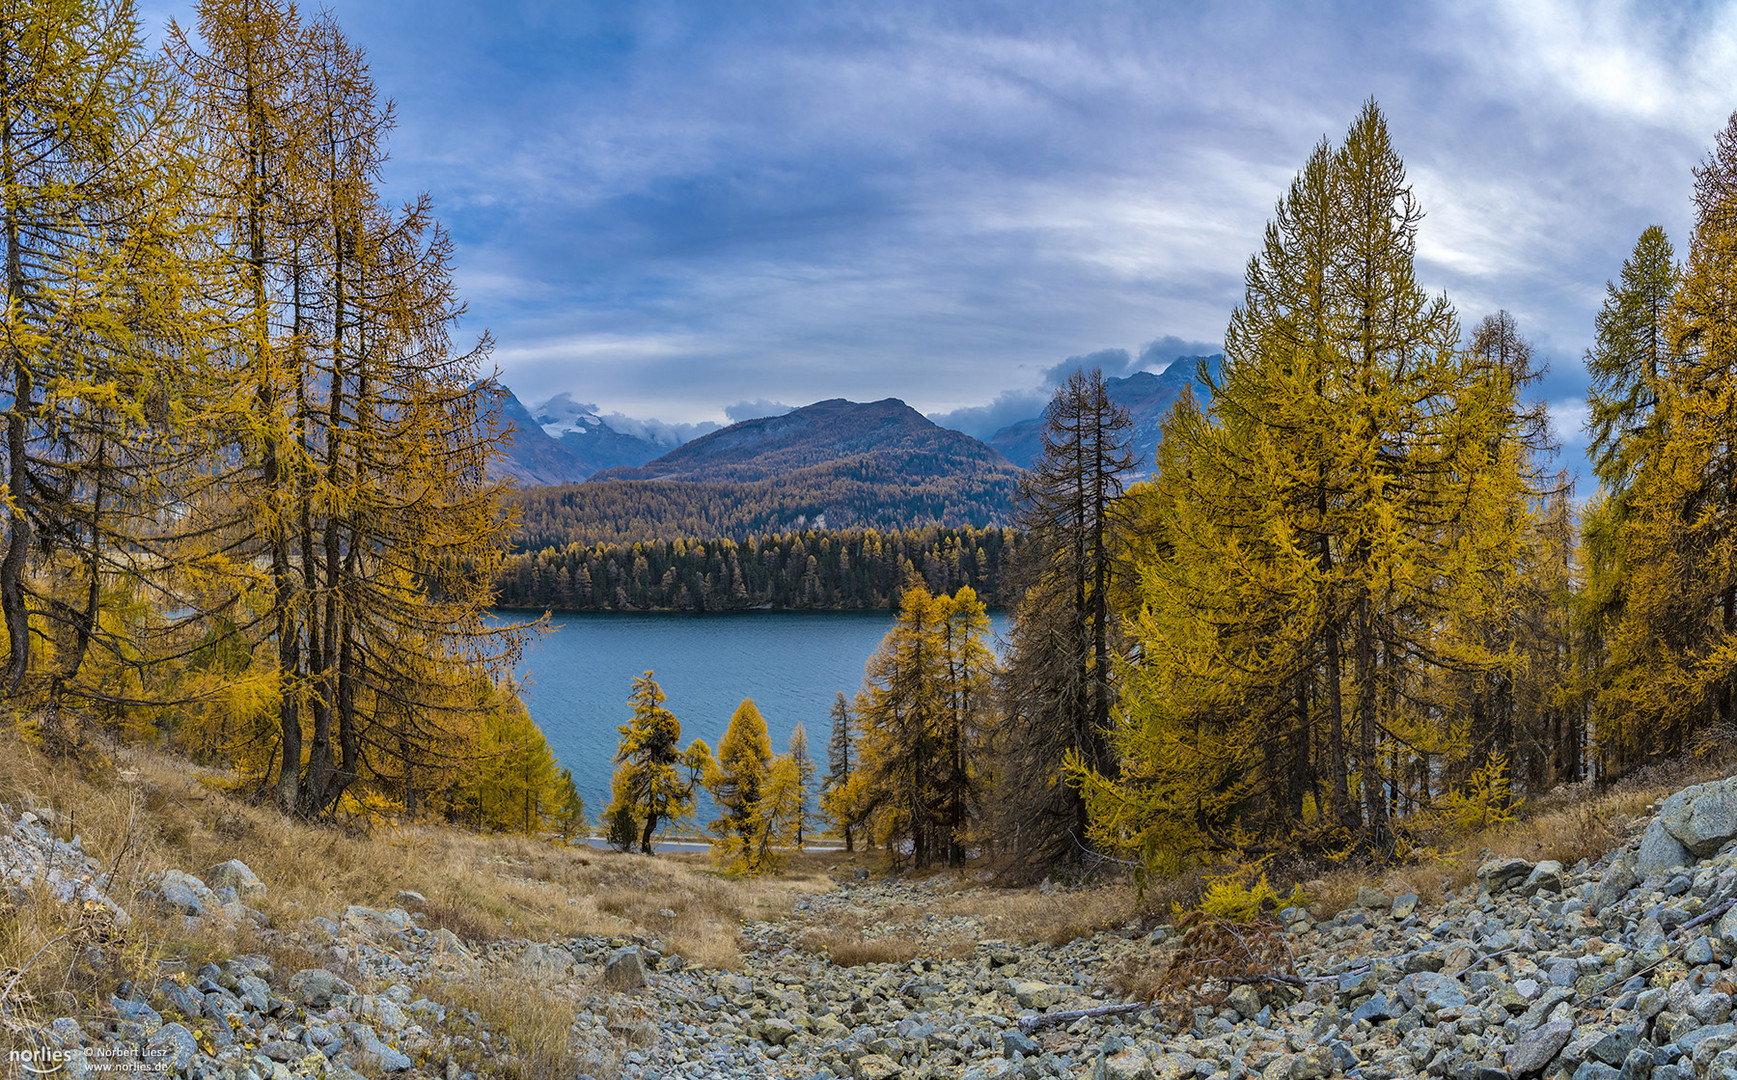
{"type": "Point", "coordinates": [1660, 851]}
{"type": "Point", "coordinates": [315, 987]}
{"type": "Point", "coordinates": [624, 970]}
{"type": "Point", "coordinates": [1702, 818]}
{"type": "Point", "coordinates": [235, 874]}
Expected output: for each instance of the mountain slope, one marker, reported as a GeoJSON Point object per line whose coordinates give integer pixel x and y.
{"type": "Point", "coordinates": [1145, 395]}
{"type": "Point", "coordinates": [824, 433]}
{"type": "Point", "coordinates": [532, 457]}
{"type": "Point", "coordinates": [835, 464]}
{"type": "Point", "coordinates": [591, 441]}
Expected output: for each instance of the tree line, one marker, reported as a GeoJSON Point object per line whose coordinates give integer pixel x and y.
{"type": "Point", "coordinates": [854, 569]}
{"type": "Point", "coordinates": [856, 493]}
{"type": "Point", "coordinates": [245, 456]}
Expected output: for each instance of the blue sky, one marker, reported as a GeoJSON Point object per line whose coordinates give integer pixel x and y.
{"type": "Point", "coordinates": [671, 208]}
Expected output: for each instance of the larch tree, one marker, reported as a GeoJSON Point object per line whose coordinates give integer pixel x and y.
{"type": "Point", "coordinates": [654, 778]}
{"type": "Point", "coordinates": [736, 778]}
{"type": "Point", "coordinates": [1058, 687]}
{"type": "Point", "coordinates": [797, 750]}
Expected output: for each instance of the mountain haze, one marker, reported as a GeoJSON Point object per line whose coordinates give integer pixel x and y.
{"type": "Point", "coordinates": [1146, 395]}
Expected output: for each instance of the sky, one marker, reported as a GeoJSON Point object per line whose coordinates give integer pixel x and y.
{"type": "Point", "coordinates": [703, 211]}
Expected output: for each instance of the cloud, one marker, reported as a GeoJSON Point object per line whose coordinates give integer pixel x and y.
{"type": "Point", "coordinates": [656, 430]}
{"type": "Point", "coordinates": [982, 421]}
{"type": "Point", "coordinates": [754, 410]}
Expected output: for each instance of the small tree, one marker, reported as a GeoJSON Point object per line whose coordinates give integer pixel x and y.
{"type": "Point", "coordinates": [805, 770]}
{"type": "Point", "coordinates": [569, 807]}
{"type": "Point", "coordinates": [654, 780]}
{"type": "Point", "coordinates": [777, 820]}
{"type": "Point", "coordinates": [622, 828]}
{"type": "Point", "coordinates": [840, 762]}
{"type": "Point", "coordinates": [735, 780]}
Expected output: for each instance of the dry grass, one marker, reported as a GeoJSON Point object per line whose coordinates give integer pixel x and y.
{"type": "Point", "coordinates": [139, 812]}
{"type": "Point", "coordinates": [537, 1023]}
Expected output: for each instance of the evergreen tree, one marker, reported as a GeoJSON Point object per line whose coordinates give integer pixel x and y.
{"type": "Point", "coordinates": [569, 807]}
{"type": "Point", "coordinates": [805, 772]}
{"type": "Point", "coordinates": [840, 766]}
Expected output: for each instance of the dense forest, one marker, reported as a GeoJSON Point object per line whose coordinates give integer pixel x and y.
{"type": "Point", "coordinates": [811, 570]}
{"type": "Point", "coordinates": [867, 492]}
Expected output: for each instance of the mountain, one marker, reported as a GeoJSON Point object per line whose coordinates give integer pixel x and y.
{"type": "Point", "coordinates": [566, 442]}
{"type": "Point", "coordinates": [834, 464]}
{"type": "Point", "coordinates": [1145, 395]}
{"type": "Point", "coordinates": [594, 443]}
{"type": "Point", "coordinates": [826, 432]}
{"type": "Point", "coordinates": [532, 457]}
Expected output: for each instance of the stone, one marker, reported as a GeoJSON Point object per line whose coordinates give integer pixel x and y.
{"type": "Point", "coordinates": [1368, 896]}
{"type": "Point", "coordinates": [1128, 1063]}
{"type": "Point", "coordinates": [1174, 1066]}
{"type": "Point", "coordinates": [1538, 1048]}
{"type": "Point", "coordinates": [876, 1067]}
{"type": "Point", "coordinates": [1404, 905]}
{"type": "Point", "coordinates": [625, 970]}
{"type": "Point", "coordinates": [1498, 874]}
{"type": "Point", "coordinates": [1618, 879]}
{"type": "Point", "coordinates": [1315, 1063]}
{"type": "Point", "coordinates": [1660, 851]}
{"type": "Point", "coordinates": [410, 899]}
{"type": "Point", "coordinates": [375, 923]}
{"type": "Point", "coordinates": [371, 1050]}
{"type": "Point", "coordinates": [236, 875]}
{"type": "Point", "coordinates": [1597, 1070]}
{"type": "Point", "coordinates": [1545, 877]}
{"type": "Point", "coordinates": [315, 987]}
{"type": "Point", "coordinates": [1035, 995]}
{"type": "Point", "coordinates": [1375, 1009]}
{"type": "Point", "coordinates": [546, 962]}
{"type": "Point", "coordinates": [174, 1046]}
{"type": "Point", "coordinates": [1727, 930]}
{"type": "Point", "coordinates": [1613, 1046]}
{"type": "Point", "coordinates": [860, 873]}
{"type": "Point", "coordinates": [1246, 1000]}
{"type": "Point", "coordinates": [1702, 817]}
{"type": "Point", "coordinates": [776, 1030]}
{"type": "Point", "coordinates": [1018, 1044]}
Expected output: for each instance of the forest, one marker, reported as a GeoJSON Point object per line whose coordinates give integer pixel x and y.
{"type": "Point", "coordinates": [245, 455]}
{"type": "Point", "coordinates": [864, 492]}
{"type": "Point", "coordinates": [811, 570]}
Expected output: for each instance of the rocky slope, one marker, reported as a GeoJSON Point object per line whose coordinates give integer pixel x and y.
{"type": "Point", "coordinates": [1614, 970]}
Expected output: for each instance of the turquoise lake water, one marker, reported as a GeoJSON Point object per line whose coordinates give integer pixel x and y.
{"type": "Point", "coordinates": [793, 664]}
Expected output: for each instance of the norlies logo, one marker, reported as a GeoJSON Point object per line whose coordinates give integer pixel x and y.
{"type": "Point", "coordinates": [123, 1060]}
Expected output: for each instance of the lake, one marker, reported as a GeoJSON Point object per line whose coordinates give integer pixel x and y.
{"type": "Point", "coordinates": [793, 664]}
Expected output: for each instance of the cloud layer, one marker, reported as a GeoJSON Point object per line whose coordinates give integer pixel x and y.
{"type": "Point", "coordinates": [669, 206]}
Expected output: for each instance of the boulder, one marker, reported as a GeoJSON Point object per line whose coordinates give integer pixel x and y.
{"type": "Point", "coordinates": [1618, 879]}
{"type": "Point", "coordinates": [235, 874]}
{"type": "Point", "coordinates": [624, 970]}
{"type": "Point", "coordinates": [174, 1047]}
{"type": "Point", "coordinates": [1498, 874]}
{"type": "Point", "coordinates": [1545, 877]}
{"type": "Point", "coordinates": [1035, 995]}
{"type": "Point", "coordinates": [547, 962]}
{"type": "Point", "coordinates": [1702, 817]}
{"type": "Point", "coordinates": [315, 987]}
{"type": "Point", "coordinates": [1538, 1048]}
{"type": "Point", "coordinates": [1368, 896]}
{"type": "Point", "coordinates": [1659, 851]}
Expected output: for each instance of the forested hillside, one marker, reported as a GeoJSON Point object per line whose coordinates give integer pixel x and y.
{"type": "Point", "coordinates": [850, 569]}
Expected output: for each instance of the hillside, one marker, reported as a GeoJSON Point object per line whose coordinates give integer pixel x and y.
{"type": "Point", "coordinates": [835, 464]}
{"type": "Point", "coordinates": [1145, 395]}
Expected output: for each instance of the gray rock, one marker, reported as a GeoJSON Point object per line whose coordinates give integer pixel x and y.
{"type": "Point", "coordinates": [1618, 879]}
{"type": "Point", "coordinates": [174, 1046]}
{"type": "Point", "coordinates": [1703, 817]}
{"type": "Point", "coordinates": [370, 1049]}
{"type": "Point", "coordinates": [410, 898]}
{"type": "Point", "coordinates": [1613, 1047]}
{"type": "Point", "coordinates": [1245, 999]}
{"type": "Point", "coordinates": [1498, 874]}
{"type": "Point", "coordinates": [1538, 1048]}
{"type": "Point", "coordinates": [1660, 851]}
{"type": "Point", "coordinates": [1727, 930]}
{"type": "Point", "coordinates": [1033, 994]}
{"type": "Point", "coordinates": [1375, 1009]}
{"type": "Point", "coordinates": [776, 1030]}
{"type": "Point", "coordinates": [1018, 1043]}
{"type": "Point", "coordinates": [548, 962]}
{"type": "Point", "coordinates": [1597, 1070]}
{"type": "Point", "coordinates": [1315, 1063]}
{"type": "Point", "coordinates": [1404, 905]}
{"type": "Point", "coordinates": [1545, 877]}
{"type": "Point", "coordinates": [624, 970]}
{"type": "Point", "coordinates": [315, 987]}
{"type": "Point", "coordinates": [236, 875]}
{"type": "Point", "coordinates": [1368, 896]}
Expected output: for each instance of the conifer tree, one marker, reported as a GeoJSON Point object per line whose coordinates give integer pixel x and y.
{"type": "Point", "coordinates": [736, 779]}
{"type": "Point", "coordinates": [805, 772]}
{"type": "Point", "coordinates": [1059, 689]}
{"type": "Point", "coordinates": [654, 778]}
{"type": "Point", "coordinates": [840, 766]}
